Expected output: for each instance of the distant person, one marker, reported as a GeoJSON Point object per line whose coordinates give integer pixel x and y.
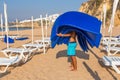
{"type": "Point", "coordinates": [71, 49]}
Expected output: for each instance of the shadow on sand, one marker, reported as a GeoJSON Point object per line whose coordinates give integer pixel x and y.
{"type": "Point", "coordinates": [94, 74]}
{"type": "Point", "coordinates": [79, 54]}
{"type": "Point", "coordinates": [4, 74]}
{"type": "Point", "coordinates": [108, 68]}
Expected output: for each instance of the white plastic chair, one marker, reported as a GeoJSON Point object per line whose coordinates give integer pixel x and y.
{"type": "Point", "coordinates": [113, 61]}
{"type": "Point", "coordinates": [6, 62]}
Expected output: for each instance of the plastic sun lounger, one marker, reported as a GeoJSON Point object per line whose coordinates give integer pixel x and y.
{"type": "Point", "coordinates": [30, 46]}
{"type": "Point", "coordinates": [114, 49]}
{"type": "Point", "coordinates": [112, 39]}
{"type": "Point", "coordinates": [2, 37]}
{"type": "Point", "coordinates": [8, 52]}
{"type": "Point", "coordinates": [112, 43]}
{"type": "Point", "coordinates": [6, 62]}
{"type": "Point", "coordinates": [47, 38]}
{"type": "Point", "coordinates": [46, 41]}
{"type": "Point", "coordinates": [113, 61]}
{"type": "Point", "coordinates": [115, 40]}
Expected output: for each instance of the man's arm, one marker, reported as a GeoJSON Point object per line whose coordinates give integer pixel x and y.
{"type": "Point", "coordinates": [64, 35]}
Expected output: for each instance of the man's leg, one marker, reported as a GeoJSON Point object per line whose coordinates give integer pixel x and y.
{"type": "Point", "coordinates": [74, 62]}
{"type": "Point", "coordinates": [71, 62]}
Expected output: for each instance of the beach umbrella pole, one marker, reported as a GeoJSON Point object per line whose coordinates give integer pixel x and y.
{"type": "Point", "coordinates": [1, 24]}
{"type": "Point", "coordinates": [32, 28]}
{"type": "Point", "coordinates": [50, 22]}
{"type": "Point", "coordinates": [42, 33]}
{"type": "Point", "coordinates": [104, 19]}
{"type": "Point", "coordinates": [46, 25]}
{"type": "Point", "coordinates": [17, 26]}
{"type": "Point", "coordinates": [101, 18]}
{"type": "Point", "coordinates": [6, 23]}
{"type": "Point", "coordinates": [115, 3]}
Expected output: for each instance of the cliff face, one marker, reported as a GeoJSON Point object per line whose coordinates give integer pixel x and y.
{"type": "Point", "coordinates": [95, 8]}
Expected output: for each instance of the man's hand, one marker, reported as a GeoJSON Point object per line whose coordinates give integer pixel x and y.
{"type": "Point", "coordinates": [60, 34]}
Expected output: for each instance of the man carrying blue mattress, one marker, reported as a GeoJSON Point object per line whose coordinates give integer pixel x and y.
{"type": "Point", "coordinates": [72, 24]}
{"type": "Point", "coordinates": [71, 49]}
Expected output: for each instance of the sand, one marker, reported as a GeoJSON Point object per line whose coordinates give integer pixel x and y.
{"type": "Point", "coordinates": [54, 65]}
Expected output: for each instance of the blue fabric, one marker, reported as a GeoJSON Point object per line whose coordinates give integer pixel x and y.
{"type": "Point", "coordinates": [71, 51]}
{"type": "Point", "coordinates": [87, 28]}
{"type": "Point", "coordinates": [10, 40]}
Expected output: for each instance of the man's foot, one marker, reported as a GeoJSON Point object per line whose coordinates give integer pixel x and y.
{"type": "Point", "coordinates": [71, 66]}
{"type": "Point", "coordinates": [73, 70]}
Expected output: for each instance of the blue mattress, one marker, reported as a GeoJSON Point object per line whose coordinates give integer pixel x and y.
{"type": "Point", "coordinates": [86, 26]}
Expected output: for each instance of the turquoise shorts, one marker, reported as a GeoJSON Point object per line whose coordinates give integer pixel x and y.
{"type": "Point", "coordinates": [71, 51]}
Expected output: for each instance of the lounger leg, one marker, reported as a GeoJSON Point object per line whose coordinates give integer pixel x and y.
{"type": "Point", "coordinates": [10, 54]}
{"type": "Point", "coordinates": [116, 69]}
{"type": "Point", "coordinates": [27, 56]}
{"type": "Point", "coordinates": [25, 59]}
{"type": "Point", "coordinates": [22, 56]}
{"type": "Point", "coordinates": [5, 53]}
{"type": "Point", "coordinates": [115, 52]}
{"type": "Point", "coordinates": [108, 52]}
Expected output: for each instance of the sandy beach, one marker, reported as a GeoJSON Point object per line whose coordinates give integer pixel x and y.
{"type": "Point", "coordinates": [54, 65]}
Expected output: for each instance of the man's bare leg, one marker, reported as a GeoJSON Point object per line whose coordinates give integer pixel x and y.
{"type": "Point", "coordinates": [74, 63]}
{"type": "Point", "coordinates": [71, 63]}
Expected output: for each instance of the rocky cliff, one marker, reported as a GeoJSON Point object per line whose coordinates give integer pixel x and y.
{"type": "Point", "coordinates": [95, 8]}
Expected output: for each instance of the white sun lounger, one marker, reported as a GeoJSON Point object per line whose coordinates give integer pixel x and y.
{"type": "Point", "coordinates": [46, 41]}
{"type": "Point", "coordinates": [113, 43]}
{"type": "Point", "coordinates": [112, 38]}
{"type": "Point", "coordinates": [113, 61]}
{"type": "Point", "coordinates": [108, 40]}
{"type": "Point", "coordinates": [47, 38]}
{"type": "Point", "coordinates": [112, 50]}
{"type": "Point", "coordinates": [8, 52]}
{"type": "Point", "coordinates": [30, 46]}
{"type": "Point", "coordinates": [6, 62]}
{"type": "Point", "coordinates": [2, 37]}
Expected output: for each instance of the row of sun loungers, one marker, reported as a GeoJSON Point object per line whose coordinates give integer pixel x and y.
{"type": "Point", "coordinates": [21, 53]}
{"type": "Point", "coordinates": [15, 55]}
{"type": "Point", "coordinates": [112, 47]}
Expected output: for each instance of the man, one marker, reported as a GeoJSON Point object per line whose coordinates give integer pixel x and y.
{"type": "Point", "coordinates": [71, 50]}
